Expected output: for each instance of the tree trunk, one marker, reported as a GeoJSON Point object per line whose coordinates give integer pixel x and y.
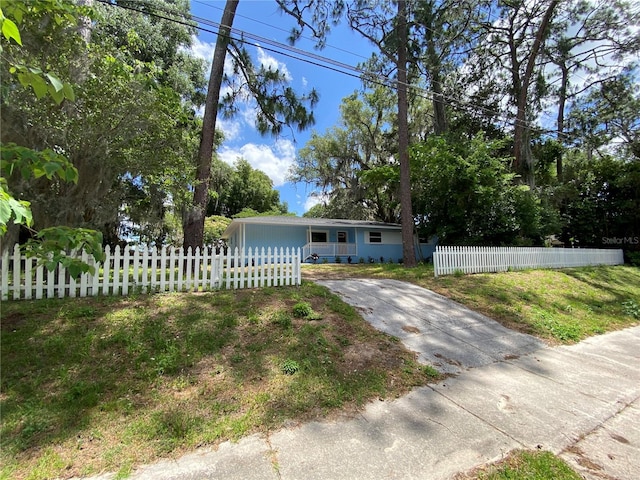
{"type": "Point", "coordinates": [560, 120]}
{"type": "Point", "coordinates": [433, 69]}
{"type": "Point", "coordinates": [523, 158]}
{"type": "Point", "coordinates": [408, 248]}
{"type": "Point", "coordinates": [193, 221]}
{"type": "Point", "coordinates": [439, 114]}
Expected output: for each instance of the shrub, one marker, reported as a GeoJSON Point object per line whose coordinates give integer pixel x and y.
{"type": "Point", "coordinates": [289, 367]}
{"type": "Point", "coordinates": [282, 319]}
{"type": "Point", "coordinates": [302, 310]}
{"type": "Point", "coordinates": [634, 258]}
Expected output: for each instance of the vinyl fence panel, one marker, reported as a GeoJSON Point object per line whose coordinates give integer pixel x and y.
{"type": "Point", "coordinates": [449, 260]}
{"type": "Point", "coordinates": [134, 270]}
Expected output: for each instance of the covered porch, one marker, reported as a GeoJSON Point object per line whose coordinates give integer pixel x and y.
{"type": "Point", "coordinates": [329, 249]}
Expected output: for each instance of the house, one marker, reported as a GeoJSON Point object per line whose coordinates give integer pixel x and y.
{"type": "Point", "coordinates": [323, 238]}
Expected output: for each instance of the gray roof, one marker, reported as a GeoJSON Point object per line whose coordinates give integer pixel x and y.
{"type": "Point", "coordinates": [306, 222]}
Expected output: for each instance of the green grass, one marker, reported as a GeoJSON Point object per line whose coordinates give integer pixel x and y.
{"type": "Point", "coordinates": [108, 383]}
{"type": "Point", "coordinates": [561, 306]}
{"type": "Point", "coordinates": [524, 465]}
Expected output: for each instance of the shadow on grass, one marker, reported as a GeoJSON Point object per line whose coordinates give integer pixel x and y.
{"type": "Point", "coordinates": [116, 381]}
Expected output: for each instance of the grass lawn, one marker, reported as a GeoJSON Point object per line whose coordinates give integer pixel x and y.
{"type": "Point", "coordinates": [524, 465]}
{"type": "Point", "coordinates": [107, 383]}
{"type": "Point", "coordinates": [559, 306]}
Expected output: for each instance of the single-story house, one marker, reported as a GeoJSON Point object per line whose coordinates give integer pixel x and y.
{"type": "Point", "coordinates": [324, 238]}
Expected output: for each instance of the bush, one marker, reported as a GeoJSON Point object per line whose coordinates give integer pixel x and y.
{"type": "Point", "coordinates": [633, 258]}
{"type": "Point", "coordinates": [289, 367]}
{"type": "Point", "coordinates": [302, 310]}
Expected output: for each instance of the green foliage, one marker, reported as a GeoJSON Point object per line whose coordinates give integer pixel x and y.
{"type": "Point", "coordinates": [44, 82]}
{"type": "Point", "coordinates": [214, 227]}
{"type": "Point", "coordinates": [242, 190]}
{"type": "Point", "coordinates": [631, 308]}
{"type": "Point", "coordinates": [290, 367]}
{"type": "Point", "coordinates": [464, 192]}
{"type": "Point", "coordinates": [302, 310]}
{"type": "Point", "coordinates": [35, 164]}
{"type": "Point", "coordinates": [11, 208]}
{"type": "Point", "coordinates": [10, 29]}
{"type": "Point", "coordinates": [634, 258]}
{"type": "Point", "coordinates": [58, 245]}
{"type": "Point", "coordinates": [282, 319]}
{"type": "Point", "coordinates": [349, 163]}
{"type": "Point", "coordinates": [599, 200]}
{"type": "Point", "coordinates": [51, 246]}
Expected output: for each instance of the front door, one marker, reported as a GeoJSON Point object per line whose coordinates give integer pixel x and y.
{"type": "Point", "coordinates": [342, 240]}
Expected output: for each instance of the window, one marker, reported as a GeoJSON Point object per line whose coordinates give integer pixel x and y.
{"type": "Point", "coordinates": [375, 237]}
{"type": "Point", "coordinates": [318, 237]}
{"type": "Point", "coordinates": [342, 237]}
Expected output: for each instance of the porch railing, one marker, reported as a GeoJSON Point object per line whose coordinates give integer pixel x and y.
{"type": "Point", "coordinates": [329, 249]}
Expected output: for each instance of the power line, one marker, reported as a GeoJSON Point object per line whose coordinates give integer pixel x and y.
{"type": "Point", "coordinates": [328, 45]}
{"type": "Point", "coordinates": [193, 21]}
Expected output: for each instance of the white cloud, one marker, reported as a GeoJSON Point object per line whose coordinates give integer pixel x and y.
{"type": "Point", "coordinates": [315, 198]}
{"type": "Point", "coordinates": [311, 202]}
{"type": "Point", "coordinates": [268, 61]}
{"type": "Point", "coordinates": [274, 160]}
{"type": "Point", "coordinates": [202, 49]}
{"type": "Point", "coordinates": [232, 129]}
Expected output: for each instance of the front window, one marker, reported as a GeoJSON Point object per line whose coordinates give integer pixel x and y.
{"type": "Point", "coordinates": [318, 237]}
{"type": "Point", "coordinates": [375, 237]}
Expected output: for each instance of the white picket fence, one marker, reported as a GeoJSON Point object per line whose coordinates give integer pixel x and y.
{"type": "Point", "coordinates": [148, 271]}
{"type": "Point", "coordinates": [448, 260]}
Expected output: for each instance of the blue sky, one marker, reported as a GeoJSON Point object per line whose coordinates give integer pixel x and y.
{"type": "Point", "coordinates": [272, 155]}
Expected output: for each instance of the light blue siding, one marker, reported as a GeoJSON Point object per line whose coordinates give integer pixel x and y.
{"type": "Point", "coordinates": [296, 236]}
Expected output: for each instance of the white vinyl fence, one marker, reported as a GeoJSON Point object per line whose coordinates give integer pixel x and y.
{"type": "Point", "coordinates": [147, 271]}
{"type": "Point", "coordinates": [448, 260]}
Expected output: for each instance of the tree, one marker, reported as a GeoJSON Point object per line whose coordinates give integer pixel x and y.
{"type": "Point", "coordinates": [600, 200]}
{"type": "Point", "coordinates": [54, 245]}
{"type": "Point", "coordinates": [194, 217]}
{"type": "Point", "coordinates": [514, 41]}
{"type": "Point", "coordinates": [277, 106]}
{"type": "Point", "coordinates": [464, 193]}
{"type": "Point", "coordinates": [128, 131]}
{"type": "Point", "coordinates": [214, 227]}
{"type": "Point", "coordinates": [387, 30]}
{"type": "Point", "coordinates": [601, 40]}
{"type": "Point", "coordinates": [341, 162]}
{"type": "Point", "coordinates": [609, 117]}
{"type": "Point", "coordinates": [233, 188]}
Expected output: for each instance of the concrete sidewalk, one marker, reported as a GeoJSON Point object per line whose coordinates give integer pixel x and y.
{"type": "Point", "coordinates": [509, 391]}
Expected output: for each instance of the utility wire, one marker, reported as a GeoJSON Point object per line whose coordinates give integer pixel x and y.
{"type": "Point", "coordinates": [313, 59]}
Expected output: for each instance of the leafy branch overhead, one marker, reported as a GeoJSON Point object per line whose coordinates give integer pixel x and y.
{"type": "Point", "coordinates": [278, 104]}
{"type": "Point", "coordinates": [27, 163]}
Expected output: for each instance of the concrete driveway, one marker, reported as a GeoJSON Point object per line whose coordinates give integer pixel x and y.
{"type": "Point", "coordinates": [445, 334]}
{"type": "Point", "coordinates": [509, 391]}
